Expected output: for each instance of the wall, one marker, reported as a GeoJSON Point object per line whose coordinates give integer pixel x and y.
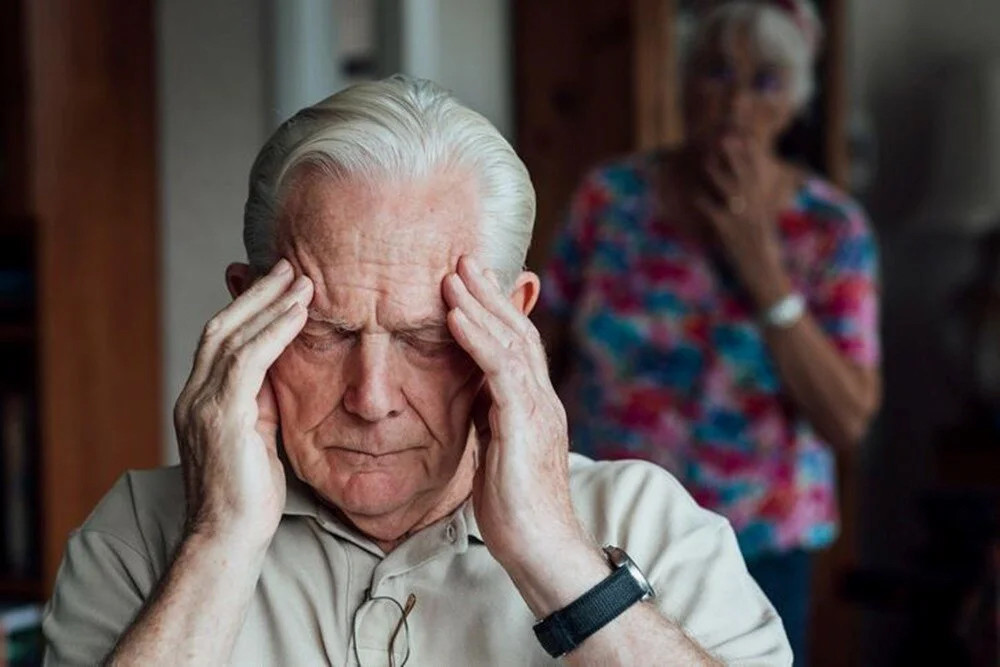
{"type": "Point", "coordinates": [898, 50]}
{"type": "Point", "coordinates": [465, 46]}
{"type": "Point", "coordinates": [212, 121]}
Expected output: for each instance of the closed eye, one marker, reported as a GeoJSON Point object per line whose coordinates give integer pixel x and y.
{"type": "Point", "coordinates": [429, 345]}
{"type": "Point", "coordinates": [316, 336]}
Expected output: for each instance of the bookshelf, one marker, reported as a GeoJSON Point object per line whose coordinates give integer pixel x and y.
{"type": "Point", "coordinates": [79, 269]}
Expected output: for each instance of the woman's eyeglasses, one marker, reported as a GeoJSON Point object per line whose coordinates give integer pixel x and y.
{"type": "Point", "coordinates": [765, 80]}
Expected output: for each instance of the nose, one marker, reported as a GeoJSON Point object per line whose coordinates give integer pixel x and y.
{"type": "Point", "coordinates": [373, 390]}
{"type": "Point", "coordinates": [738, 100]}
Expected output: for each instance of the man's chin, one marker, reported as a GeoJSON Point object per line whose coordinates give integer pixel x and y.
{"type": "Point", "coordinates": [372, 494]}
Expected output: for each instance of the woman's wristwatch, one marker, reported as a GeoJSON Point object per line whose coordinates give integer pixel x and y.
{"type": "Point", "coordinates": [564, 630]}
{"type": "Point", "coordinates": [785, 312]}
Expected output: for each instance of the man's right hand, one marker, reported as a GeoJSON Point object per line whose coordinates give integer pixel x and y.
{"type": "Point", "coordinates": [227, 428]}
{"type": "Point", "coordinates": [226, 416]}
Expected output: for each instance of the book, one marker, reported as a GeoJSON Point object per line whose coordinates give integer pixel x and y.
{"type": "Point", "coordinates": [17, 502]}
{"type": "Point", "coordinates": [15, 618]}
{"type": "Point", "coordinates": [20, 635]}
{"type": "Point", "coordinates": [17, 292]}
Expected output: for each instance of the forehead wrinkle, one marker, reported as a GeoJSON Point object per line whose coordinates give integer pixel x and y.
{"type": "Point", "coordinates": [377, 254]}
{"type": "Point", "coordinates": [352, 306]}
{"type": "Point", "coordinates": [310, 210]}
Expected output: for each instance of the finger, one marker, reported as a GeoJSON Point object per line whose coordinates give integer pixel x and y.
{"type": "Point", "coordinates": [718, 216]}
{"type": "Point", "coordinates": [738, 159]}
{"type": "Point", "coordinates": [506, 374]}
{"type": "Point", "coordinates": [300, 291]}
{"type": "Point", "coordinates": [721, 179]}
{"type": "Point", "coordinates": [531, 334]}
{"type": "Point", "coordinates": [263, 291]}
{"type": "Point", "coordinates": [248, 367]}
{"type": "Point", "coordinates": [267, 406]}
{"type": "Point", "coordinates": [756, 159]}
{"type": "Point", "coordinates": [481, 415]}
{"type": "Point", "coordinates": [457, 295]}
{"type": "Point", "coordinates": [515, 332]}
{"type": "Point", "coordinates": [485, 287]}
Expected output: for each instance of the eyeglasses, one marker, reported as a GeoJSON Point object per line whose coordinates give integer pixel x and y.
{"type": "Point", "coordinates": [401, 625]}
{"type": "Point", "coordinates": [765, 80]}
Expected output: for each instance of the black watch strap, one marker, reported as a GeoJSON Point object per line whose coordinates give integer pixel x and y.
{"type": "Point", "coordinates": [564, 630]}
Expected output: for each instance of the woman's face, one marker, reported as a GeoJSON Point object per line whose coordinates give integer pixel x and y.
{"type": "Point", "coordinates": [733, 92]}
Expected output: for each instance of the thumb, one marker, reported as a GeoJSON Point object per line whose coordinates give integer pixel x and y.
{"type": "Point", "coordinates": [481, 416]}
{"type": "Point", "coordinates": [267, 411]}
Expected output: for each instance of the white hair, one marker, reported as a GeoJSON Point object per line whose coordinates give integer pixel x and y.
{"type": "Point", "coordinates": [396, 128]}
{"type": "Point", "coordinates": [790, 40]}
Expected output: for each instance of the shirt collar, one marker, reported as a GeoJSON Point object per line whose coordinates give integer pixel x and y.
{"type": "Point", "coordinates": [471, 526]}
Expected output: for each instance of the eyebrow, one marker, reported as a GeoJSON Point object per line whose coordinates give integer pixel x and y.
{"type": "Point", "coordinates": [335, 322]}
{"type": "Point", "coordinates": [422, 325]}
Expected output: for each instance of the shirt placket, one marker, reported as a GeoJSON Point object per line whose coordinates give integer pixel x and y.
{"type": "Point", "coordinates": [385, 616]}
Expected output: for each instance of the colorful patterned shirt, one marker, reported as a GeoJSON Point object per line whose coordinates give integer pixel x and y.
{"type": "Point", "coordinates": [667, 362]}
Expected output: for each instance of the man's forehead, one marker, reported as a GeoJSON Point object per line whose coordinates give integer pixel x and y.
{"type": "Point", "coordinates": [381, 248]}
{"type": "Point", "coordinates": [352, 305]}
{"type": "Point", "coordinates": [428, 221]}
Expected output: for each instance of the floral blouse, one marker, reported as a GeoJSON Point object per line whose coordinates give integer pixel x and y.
{"type": "Point", "coordinates": [668, 362]}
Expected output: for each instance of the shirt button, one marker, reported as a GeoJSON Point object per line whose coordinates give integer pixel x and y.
{"type": "Point", "coordinates": [450, 533]}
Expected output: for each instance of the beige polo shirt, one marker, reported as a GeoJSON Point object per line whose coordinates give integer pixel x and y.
{"type": "Point", "coordinates": [329, 596]}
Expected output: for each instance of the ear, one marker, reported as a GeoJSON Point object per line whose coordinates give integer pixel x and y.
{"type": "Point", "coordinates": [526, 290]}
{"type": "Point", "coordinates": [238, 278]}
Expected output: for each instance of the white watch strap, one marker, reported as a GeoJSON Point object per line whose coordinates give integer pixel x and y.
{"type": "Point", "coordinates": [785, 312]}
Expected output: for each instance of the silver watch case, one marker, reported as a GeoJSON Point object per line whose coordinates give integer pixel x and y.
{"type": "Point", "coordinates": [619, 559]}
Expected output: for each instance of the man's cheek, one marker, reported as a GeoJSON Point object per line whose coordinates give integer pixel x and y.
{"type": "Point", "coordinates": [465, 388]}
{"type": "Point", "coordinates": [443, 396]}
{"type": "Point", "coordinates": [304, 389]}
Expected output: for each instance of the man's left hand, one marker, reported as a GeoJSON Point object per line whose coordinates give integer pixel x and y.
{"type": "Point", "coordinates": [521, 492]}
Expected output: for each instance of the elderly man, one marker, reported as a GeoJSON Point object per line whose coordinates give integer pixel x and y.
{"type": "Point", "coordinates": [375, 466]}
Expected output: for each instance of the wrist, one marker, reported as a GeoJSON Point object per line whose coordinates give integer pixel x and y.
{"type": "Point", "coordinates": [242, 542]}
{"type": "Point", "coordinates": [770, 287]}
{"type": "Point", "coordinates": [550, 576]}
{"type": "Point", "coordinates": [785, 313]}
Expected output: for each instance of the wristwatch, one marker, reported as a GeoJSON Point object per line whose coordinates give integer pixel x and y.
{"type": "Point", "coordinates": [785, 312]}
{"type": "Point", "coordinates": [564, 630]}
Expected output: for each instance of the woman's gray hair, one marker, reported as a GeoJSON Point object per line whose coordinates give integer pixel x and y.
{"type": "Point", "coordinates": [396, 128]}
{"type": "Point", "coordinates": [791, 40]}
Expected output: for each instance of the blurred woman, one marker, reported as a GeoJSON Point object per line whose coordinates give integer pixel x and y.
{"type": "Point", "coordinates": [714, 308]}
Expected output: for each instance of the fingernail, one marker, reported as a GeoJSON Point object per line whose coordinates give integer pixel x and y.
{"type": "Point", "coordinates": [301, 284]}
{"type": "Point", "coordinates": [282, 266]}
{"type": "Point", "coordinates": [473, 264]}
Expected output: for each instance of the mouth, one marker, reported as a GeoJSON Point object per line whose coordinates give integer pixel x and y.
{"type": "Point", "coordinates": [360, 457]}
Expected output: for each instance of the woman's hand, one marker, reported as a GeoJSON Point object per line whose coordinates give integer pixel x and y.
{"type": "Point", "coordinates": [743, 211]}
{"type": "Point", "coordinates": [226, 417]}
